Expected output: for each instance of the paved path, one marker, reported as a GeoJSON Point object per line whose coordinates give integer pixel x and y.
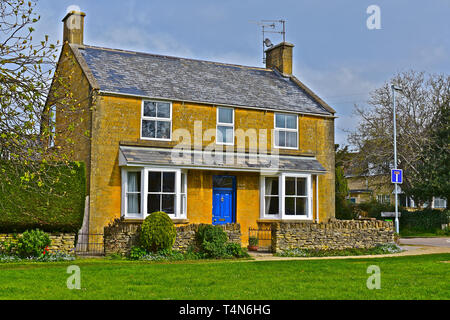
{"type": "Point", "coordinates": [415, 248]}
{"type": "Point", "coordinates": [433, 242]}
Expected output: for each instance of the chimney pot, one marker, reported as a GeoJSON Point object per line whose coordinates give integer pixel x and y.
{"type": "Point", "coordinates": [280, 57]}
{"type": "Point", "coordinates": [74, 27]}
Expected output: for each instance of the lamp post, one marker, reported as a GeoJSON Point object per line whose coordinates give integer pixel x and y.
{"type": "Point", "coordinates": [394, 88]}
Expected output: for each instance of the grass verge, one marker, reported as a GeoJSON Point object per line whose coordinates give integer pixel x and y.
{"type": "Point", "coordinates": [414, 277]}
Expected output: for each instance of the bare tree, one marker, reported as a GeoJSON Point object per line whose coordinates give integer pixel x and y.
{"type": "Point", "coordinates": [417, 106]}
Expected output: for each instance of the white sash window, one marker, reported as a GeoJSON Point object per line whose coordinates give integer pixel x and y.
{"type": "Point", "coordinates": [148, 190]}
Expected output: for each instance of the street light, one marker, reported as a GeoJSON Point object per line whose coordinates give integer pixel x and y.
{"type": "Point", "coordinates": [395, 88]}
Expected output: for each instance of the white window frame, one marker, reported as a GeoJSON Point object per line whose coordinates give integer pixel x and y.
{"type": "Point", "coordinates": [276, 130]}
{"type": "Point", "coordinates": [156, 119]}
{"type": "Point", "coordinates": [262, 193]}
{"type": "Point", "coordinates": [441, 199]}
{"type": "Point", "coordinates": [224, 124]}
{"type": "Point", "coordinates": [383, 199]}
{"type": "Point", "coordinates": [144, 191]}
{"type": "Point", "coordinates": [309, 215]}
{"type": "Point", "coordinates": [282, 197]}
{"type": "Point", "coordinates": [125, 213]}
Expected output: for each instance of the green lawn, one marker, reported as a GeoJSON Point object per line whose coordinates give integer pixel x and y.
{"type": "Point", "coordinates": [417, 277]}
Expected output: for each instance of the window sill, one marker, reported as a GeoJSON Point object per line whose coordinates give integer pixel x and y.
{"type": "Point", "coordinates": [140, 220]}
{"type": "Point", "coordinates": [285, 221]}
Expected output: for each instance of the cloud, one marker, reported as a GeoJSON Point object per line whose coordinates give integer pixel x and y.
{"type": "Point", "coordinates": [136, 39]}
{"type": "Point", "coordinates": [341, 87]}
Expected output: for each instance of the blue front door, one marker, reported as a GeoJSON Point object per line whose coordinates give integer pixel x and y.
{"type": "Point", "coordinates": [223, 200]}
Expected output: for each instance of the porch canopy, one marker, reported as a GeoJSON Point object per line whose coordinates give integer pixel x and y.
{"type": "Point", "coordinates": [130, 156]}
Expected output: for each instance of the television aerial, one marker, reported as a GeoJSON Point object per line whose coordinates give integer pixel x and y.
{"type": "Point", "coordinates": [273, 27]}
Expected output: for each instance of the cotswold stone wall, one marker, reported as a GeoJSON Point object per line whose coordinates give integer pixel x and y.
{"type": "Point", "coordinates": [121, 236]}
{"type": "Point", "coordinates": [61, 242]}
{"type": "Point", "coordinates": [335, 235]}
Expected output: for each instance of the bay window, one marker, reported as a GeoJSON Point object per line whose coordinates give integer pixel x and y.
{"type": "Point", "coordinates": [286, 196]}
{"type": "Point", "coordinates": [160, 190]}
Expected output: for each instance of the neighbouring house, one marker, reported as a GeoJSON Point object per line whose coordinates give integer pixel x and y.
{"type": "Point", "coordinates": [205, 142]}
{"type": "Point", "coordinates": [372, 185]}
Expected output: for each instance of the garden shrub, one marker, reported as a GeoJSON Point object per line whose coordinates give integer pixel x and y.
{"type": "Point", "coordinates": [253, 241]}
{"type": "Point", "coordinates": [32, 243]}
{"type": "Point", "coordinates": [54, 203]}
{"type": "Point", "coordinates": [211, 240]}
{"type": "Point", "coordinates": [137, 253]}
{"type": "Point", "coordinates": [235, 250]}
{"type": "Point", "coordinates": [158, 232]}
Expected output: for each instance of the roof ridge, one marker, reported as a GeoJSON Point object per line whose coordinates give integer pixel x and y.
{"type": "Point", "coordinates": [173, 57]}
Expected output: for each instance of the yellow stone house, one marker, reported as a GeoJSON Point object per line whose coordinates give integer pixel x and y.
{"type": "Point", "coordinates": [205, 142]}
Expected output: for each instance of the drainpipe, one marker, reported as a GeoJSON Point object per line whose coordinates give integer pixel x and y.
{"type": "Point", "coordinates": [317, 199]}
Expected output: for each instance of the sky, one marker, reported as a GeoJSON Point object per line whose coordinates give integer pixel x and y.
{"type": "Point", "coordinates": [336, 54]}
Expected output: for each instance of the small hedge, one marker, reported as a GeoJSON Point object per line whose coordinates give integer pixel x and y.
{"type": "Point", "coordinates": [52, 202]}
{"type": "Point", "coordinates": [158, 232]}
{"type": "Point", "coordinates": [427, 220]}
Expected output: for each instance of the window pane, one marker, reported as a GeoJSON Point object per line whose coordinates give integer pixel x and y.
{"type": "Point", "coordinates": [154, 182]}
{"type": "Point", "coordinates": [169, 182]}
{"type": "Point", "coordinates": [222, 182]}
{"type": "Point", "coordinates": [290, 206]}
{"type": "Point", "coordinates": [134, 203]}
{"type": "Point", "coordinates": [149, 109]}
{"type": "Point", "coordinates": [134, 182]}
{"type": "Point", "coordinates": [183, 204]}
{"type": "Point", "coordinates": [225, 115]}
{"type": "Point", "coordinates": [291, 122]}
{"type": "Point", "coordinates": [280, 138]}
{"type": "Point", "coordinates": [168, 203]}
{"type": "Point", "coordinates": [300, 206]}
{"type": "Point", "coordinates": [271, 186]}
{"type": "Point", "coordinates": [280, 121]}
{"type": "Point", "coordinates": [272, 205]}
{"type": "Point", "coordinates": [164, 110]}
{"type": "Point", "coordinates": [183, 183]}
{"type": "Point", "coordinates": [290, 186]}
{"type": "Point", "coordinates": [301, 187]}
{"type": "Point", "coordinates": [148, 129]}
{"type": "Point", "coordinates": [291, 139]}
{"type": "Point", "coordinates": [163, 130]}
{"type": "Point", "coordinates": [224, 134]}
{"type": "Point", "coordinates": [153, 203]}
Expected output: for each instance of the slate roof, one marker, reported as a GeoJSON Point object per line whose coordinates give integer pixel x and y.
{"type": "Point", "coordinates": [181, 79]}
{"type": "Point", "coordinates": [130, 155]}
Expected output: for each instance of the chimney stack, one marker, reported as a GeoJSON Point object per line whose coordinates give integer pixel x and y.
{"type": "Point", "coordinates": [280, 57]}
{"type": "Point", "coordinates": [74, 27]}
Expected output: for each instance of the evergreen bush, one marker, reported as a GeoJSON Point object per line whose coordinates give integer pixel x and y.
{"type": "Point", "coordinates": [158, 232]}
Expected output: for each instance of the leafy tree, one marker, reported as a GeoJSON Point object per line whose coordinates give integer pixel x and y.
{"type": "Point", "coordinates": [343, 207]}
{"type": "Point", "coordinates": [27, 123]}
{"type": "Point", "coordinates": [433, 178]}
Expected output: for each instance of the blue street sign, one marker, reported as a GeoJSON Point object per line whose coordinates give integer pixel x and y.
{"type": "Point", "coordinates": [397, 176]}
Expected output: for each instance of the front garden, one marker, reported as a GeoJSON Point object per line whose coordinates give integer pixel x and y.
{"type": "Point", "coordinates": [416, 277]}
